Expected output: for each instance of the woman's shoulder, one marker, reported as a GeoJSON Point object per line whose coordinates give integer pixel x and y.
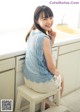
{"type": "Point", "coordinates": [41, 34]}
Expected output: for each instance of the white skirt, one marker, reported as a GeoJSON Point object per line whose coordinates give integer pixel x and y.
{"type": "Point", "coordinates": [44, 87]}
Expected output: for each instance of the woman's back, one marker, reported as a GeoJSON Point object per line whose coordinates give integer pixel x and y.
{"type": "Point", "coordinates": [35, 68]}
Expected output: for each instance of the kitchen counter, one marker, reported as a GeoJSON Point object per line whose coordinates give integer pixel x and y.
{"type": "Point", "coordinates": [65, 38]}
{"type": "Point", "coordinates": [13, 43]}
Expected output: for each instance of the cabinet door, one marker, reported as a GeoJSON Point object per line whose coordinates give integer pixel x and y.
{"type": "Point", "coordinates": [68, 65]}
{"type": "Point", "coordinates": [55, 55]}
{"type": "Point", "coordinates": [7, 85]}
{"type": "Point", "coordinates": [78, 68]}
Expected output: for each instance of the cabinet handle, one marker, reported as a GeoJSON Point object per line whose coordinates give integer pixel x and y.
{"type": "Point", "coordinates": [22, 58]}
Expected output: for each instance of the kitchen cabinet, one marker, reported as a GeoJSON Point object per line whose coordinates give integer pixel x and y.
{"type": "Point", "coordinates": [7, 79]}
{"type": "Point", "coordinates": [78, 69]}
{"type": "Point", "coordinates": [20, 77]}
{"type": "Point", "coordinates": [69, 66]}
{"type": "Point", "coordinates": [19, 74]}
{"type": "Point", "coordinates": [55, 55]}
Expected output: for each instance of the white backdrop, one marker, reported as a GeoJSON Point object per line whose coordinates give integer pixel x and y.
{"type": "Point", "coordinates": [17, 15]}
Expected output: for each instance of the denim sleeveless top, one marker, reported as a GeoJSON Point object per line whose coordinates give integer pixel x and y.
{"type": "Point", "coordinates": [35, 67]}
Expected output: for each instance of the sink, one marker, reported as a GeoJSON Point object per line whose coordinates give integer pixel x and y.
{"type": "Point", "coordinates": [66, 29]}
{"type": "Point", "coordinates": [61, 35]}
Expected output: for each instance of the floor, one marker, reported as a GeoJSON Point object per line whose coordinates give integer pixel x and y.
{"type": "Point", "coordinates": [71, 101]}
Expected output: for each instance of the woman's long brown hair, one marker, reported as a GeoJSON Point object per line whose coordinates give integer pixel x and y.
{"type": "Point", "coordinates": [40, 11]}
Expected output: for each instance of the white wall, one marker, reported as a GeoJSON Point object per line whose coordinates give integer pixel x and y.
{"type": "Point", "coordinates": [79, 19]}
{"type": "Point", "coordinates": [16, 15]}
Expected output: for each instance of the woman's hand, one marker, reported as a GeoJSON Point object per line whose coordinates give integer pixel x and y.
{"type": "Point", "coordinates": [56, 73]}
{"type": "Point", "coordinates": [52, 35]}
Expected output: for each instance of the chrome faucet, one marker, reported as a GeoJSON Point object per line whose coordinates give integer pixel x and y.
{"type": "Point", "coordinates": [62, 19]}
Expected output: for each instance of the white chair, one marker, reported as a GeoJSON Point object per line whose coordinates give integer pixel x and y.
{"type": "Point", "coordinates": [34, 97]}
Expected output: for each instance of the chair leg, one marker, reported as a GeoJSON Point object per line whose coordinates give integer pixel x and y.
{"type": "Point", "coordinates": [32, 107]}
{"type": "Point", "coordinates": [43, 105]}
{"type": "Point", "coordinates": [57, 98]}
{"type": "Point", "coordinates": [18, 101]}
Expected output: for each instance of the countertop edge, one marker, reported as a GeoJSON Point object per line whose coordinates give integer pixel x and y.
{"type": "Point", "coordinates": [21, 52]}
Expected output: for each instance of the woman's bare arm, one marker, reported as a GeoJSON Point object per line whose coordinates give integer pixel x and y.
{"type": "Point", "coordinates": [48, 57]}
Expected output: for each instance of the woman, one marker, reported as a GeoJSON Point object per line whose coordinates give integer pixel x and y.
{"type": "Point", "coordinates": [40, 73]}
